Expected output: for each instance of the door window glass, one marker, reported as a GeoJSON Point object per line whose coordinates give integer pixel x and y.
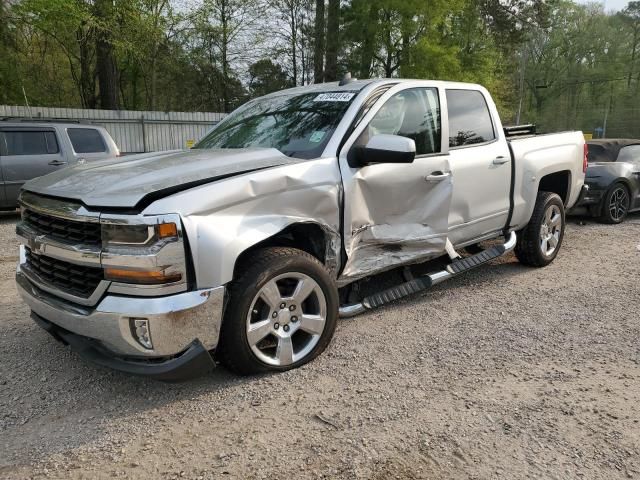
{"type": "Point", "coordinates": [31, 142]}
{"type": "Point", "coordinates": [413, 113]}
{"type": "Point", "coordinates": [469, 118]}
{"type": "Point", "coordinates": [630, 154]}
{"type": "Point", "coordinates": [86, 140]}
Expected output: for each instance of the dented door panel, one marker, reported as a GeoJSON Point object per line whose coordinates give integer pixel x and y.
{"type": "Point", "coordinates": [393, 213]}
{"type": "Point", "coordinates": [395, 216]}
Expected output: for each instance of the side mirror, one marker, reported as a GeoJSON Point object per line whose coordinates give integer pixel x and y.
{"type": "Point", "coordinates": [385, 148]}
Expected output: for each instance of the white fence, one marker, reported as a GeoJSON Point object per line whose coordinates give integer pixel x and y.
{"type": "Point", "coordinates": [133, 132]}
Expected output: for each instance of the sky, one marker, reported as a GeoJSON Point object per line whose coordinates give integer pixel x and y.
{"type": "Point", "coordinates": [610, 4]}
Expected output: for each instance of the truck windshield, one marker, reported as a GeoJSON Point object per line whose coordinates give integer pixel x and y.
{"type": "Point", "coordinates": [298, 125]}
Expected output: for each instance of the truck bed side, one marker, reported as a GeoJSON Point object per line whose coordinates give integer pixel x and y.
{"type": "Point", "coordinates": [556, 157]}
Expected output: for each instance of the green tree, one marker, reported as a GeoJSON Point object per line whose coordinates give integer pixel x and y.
{"type": "Point", "coordinates": [266, 77]}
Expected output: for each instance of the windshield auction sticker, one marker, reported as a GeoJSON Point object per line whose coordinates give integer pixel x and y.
{"type": "Point", "coordinates": [334, 97]}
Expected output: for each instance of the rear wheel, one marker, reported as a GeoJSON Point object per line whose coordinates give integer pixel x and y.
{"type": "Point", "coordinates": [539, 242]}
{"type": "Point", "coordinates": [282, 312]}
{"type": "Point", "coordinates": [616, 204]}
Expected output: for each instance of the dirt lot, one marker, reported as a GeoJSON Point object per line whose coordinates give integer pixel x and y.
{"type": "Point", "coordinates": [507, 372]}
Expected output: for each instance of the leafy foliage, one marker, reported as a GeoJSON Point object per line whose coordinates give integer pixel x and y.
{"type": "Point", "coordinates": [556, 63]}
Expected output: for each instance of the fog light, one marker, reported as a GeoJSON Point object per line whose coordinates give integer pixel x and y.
{"type": "Point", "coordinates": [142, 332]}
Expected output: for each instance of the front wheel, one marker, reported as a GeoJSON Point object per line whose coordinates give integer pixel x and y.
{"type": "Point", "coordinates": [281, 312]}
{"type": "Point", "coordinates": [539, 242]}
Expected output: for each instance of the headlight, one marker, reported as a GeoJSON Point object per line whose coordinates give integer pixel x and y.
{"type": "Point", "coordinates": [114, 234]}
{"type": "Point", "coordinates": [146, 252]}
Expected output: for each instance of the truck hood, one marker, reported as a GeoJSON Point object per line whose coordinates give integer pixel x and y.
{"type": "Point", "coordinates": [126, 182]}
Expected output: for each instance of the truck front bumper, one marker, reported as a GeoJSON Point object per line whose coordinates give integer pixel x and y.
{"type": "Point", "coordinates": [182, 328]}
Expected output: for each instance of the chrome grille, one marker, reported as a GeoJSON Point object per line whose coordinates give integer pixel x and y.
{"type": "Point", "coordinates": [85, 233]}
{"type": "Point", "coordinates": [68, 277]}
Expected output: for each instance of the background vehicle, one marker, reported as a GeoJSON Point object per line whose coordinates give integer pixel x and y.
{"type": "Point", "coordinates": [241, 244]}
{"type": "Point", "coordinates": [32, 149]}
{"type": "Point", "coordinates": [613, 177]}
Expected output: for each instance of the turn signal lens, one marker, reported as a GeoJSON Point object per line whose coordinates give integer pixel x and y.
{"type": "Point", "coordinates": [166, 230]}
{"type": "Point", "coordinates": [142, 277]}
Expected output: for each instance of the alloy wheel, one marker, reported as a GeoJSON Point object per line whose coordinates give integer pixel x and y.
{"type": "Point", "coordinates": [286, 319]}
{"type": "Point", "coordinates": [550, 230]}
{"type": "Point", "coordinates": [618, 204]}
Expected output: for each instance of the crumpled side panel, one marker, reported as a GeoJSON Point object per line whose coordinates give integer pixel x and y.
{"type": "Point", "coordinates": [224, 219]}
{"type": "Point", "coordinates": [396, 217]}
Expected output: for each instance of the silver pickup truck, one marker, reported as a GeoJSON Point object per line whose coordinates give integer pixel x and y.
{"type": "Point", "coordinates": [247, 248]}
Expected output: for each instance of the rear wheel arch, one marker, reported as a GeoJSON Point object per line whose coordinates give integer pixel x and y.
{"type": "Point", "coordinates": [558, 183]}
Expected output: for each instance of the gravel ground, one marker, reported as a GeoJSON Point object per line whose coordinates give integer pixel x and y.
{"type": "Point", "coordinates": [507, 372]}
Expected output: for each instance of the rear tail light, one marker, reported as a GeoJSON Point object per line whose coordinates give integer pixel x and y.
{"type": "Point", "coordinates": [585, 159]}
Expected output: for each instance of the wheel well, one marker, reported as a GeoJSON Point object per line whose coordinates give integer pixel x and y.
{"type": "Point", "coordinates": [308, 237]}
{"type": "Point", "coordinates": [622, 181]}
{"type": "Point", "coordinates": [557, 182]}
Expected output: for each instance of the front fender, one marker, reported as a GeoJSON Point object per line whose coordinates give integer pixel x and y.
{"type": "Point", "coordinates": [223, 219]}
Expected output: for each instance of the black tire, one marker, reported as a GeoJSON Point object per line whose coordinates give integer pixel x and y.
{"type": "Point", "coordinates": [529, 248]}
{"type": "Point", "coordinates": [261, 267]}
{"type": "Point", "coordinates": [606, 214]}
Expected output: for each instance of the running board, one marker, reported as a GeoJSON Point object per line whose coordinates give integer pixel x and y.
{"type": "Point", "coordinates": [425, 282]}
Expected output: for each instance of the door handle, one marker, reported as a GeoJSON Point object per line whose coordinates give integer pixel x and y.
{"type": "Point", "coordinates": [500, 160]}
{"type": "Point", "coordinates": [437, 176]}
{"type": "Point", "coordinates": [57, 162]}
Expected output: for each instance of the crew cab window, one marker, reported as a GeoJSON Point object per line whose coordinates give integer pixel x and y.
{"type": "Point", "coordinates": [630, 154]}
{"type": "Point", "coordinates": [413, 113]}
{"type": "Point", "coordinates": [86, 140]}
{"type": "Point", "coordinates": [469, 118]}
{"type": "Point", "coordinates": [31, 142]}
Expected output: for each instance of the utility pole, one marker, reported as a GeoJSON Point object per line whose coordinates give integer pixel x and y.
{"type": "Point", "coordinates": [522, 75]}
{"type": "Point", "coordinates": [606, 113]}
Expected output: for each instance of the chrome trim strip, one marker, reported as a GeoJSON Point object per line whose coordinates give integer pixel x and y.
{"type": "Point", "coordinates": [43, 245]}
{"type": "Point", "coordinates": [147, 290]}
{"type": "Point", "coordinates": [56, 207]}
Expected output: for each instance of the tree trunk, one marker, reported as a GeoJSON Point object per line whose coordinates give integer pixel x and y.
{"type": "Point", "coordinates": [333, 31]}
{"type": "Point", "coordinates": [294, 42]}
{"type": "Point", "coordinates": [154, 80]}
{"type": "Point", "coordinates": [368, 45]}
{"type": "Point", "coordinates": [633, 55]}
{"type": "Point", "coordinates": [318, 46]}
{"type": "Point", "coordinates": [105, 60]}
{"type": "Point", "coordinates": [224, 20]}
{"type": "Point", "coordinates": [87, 78]}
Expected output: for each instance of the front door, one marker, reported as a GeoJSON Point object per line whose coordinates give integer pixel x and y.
{"type": "Point", "coordinates": [397, 213]}
{"type": "Point", "coordinates": [28, 153]}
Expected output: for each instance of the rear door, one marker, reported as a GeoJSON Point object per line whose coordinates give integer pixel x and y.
{"type": "Point", "coordinates": [29, 152]}
{"type": "Point", "coordinates": [397, 213]}
{"type": "Point", "coordinates": [88, 143]}
{"type": "Point", "coordinates": [480, 163]}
